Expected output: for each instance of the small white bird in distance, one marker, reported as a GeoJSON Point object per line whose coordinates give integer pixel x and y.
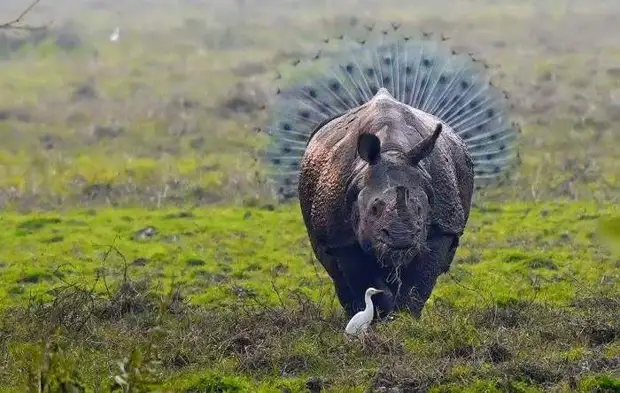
{"type": "Point", "coordinates": [360, 321]}
{"type": "Point", "coordinates": [115, 34]}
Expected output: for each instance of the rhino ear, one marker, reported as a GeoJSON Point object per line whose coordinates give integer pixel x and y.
{"type": "Point", "coordinates": [369, 148]}
{"type": "Point", "coordinates": [424, 147]}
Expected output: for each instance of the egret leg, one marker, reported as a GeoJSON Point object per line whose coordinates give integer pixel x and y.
{"type": "Point", "coordinates": [363, 338]}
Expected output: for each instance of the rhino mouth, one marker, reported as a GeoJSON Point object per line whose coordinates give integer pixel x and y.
{"type": "Point", "coordinates": [396, 255]}
{"type": "Point", "coordinates": [398, 246]}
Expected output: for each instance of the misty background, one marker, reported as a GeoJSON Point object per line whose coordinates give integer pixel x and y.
{"type": "Point", "coordinates": [170, 111]}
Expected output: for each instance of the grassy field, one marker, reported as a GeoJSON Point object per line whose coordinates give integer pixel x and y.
{"type": "Point", "coordinates": [142, 250]}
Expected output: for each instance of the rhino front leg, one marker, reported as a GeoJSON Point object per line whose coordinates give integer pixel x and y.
{"type": "Point", "coordinates": [419, 278]}
{"type": "Point", "coordinates": [357, 271]}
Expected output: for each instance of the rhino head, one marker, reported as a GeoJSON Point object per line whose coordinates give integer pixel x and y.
{"type": "Point", "coordinates": [393, 209]}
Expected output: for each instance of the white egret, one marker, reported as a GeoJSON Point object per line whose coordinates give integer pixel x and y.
{"type": "Point", "coordinates": [360, 321]}
{"type": "Point", "coordinates": [115, 34]}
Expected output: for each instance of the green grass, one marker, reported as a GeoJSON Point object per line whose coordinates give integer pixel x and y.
{"type": "Point", "coordinates": [103, 141]}
{"type": "Point", "coordinates": [524, 303]}
{"type": "Point", "coordinates": [522, 250]}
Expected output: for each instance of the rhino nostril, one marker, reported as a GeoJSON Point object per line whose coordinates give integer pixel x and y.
{"type": "Point", "coordinates": [385, 233]}
{"type": "Point", "coordinates": [376, 208]}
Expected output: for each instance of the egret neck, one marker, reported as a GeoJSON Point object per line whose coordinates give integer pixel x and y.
{"type": "Point", "coordinates": [369, 311]}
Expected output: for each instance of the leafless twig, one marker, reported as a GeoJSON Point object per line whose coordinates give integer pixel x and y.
{"type": "Point", "coordinates": [15, 23]}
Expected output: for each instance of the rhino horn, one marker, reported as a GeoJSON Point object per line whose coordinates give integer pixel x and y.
{"type": "Point", "coordinates": [401, 199]}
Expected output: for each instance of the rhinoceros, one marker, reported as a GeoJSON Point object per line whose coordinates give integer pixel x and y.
{"type": "Point", "coordinates": [383, 147]}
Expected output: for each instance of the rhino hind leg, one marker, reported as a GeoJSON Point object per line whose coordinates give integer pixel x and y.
{"type": "Point", "coordinates": [347, 300]}
{"type": "Point", "coordinates": [447, 261]}
{"type": "Point", "coordinates": [419, 278]}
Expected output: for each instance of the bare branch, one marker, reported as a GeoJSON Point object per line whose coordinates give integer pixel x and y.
{"type": "Point", "coordinates": [15, 23]}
